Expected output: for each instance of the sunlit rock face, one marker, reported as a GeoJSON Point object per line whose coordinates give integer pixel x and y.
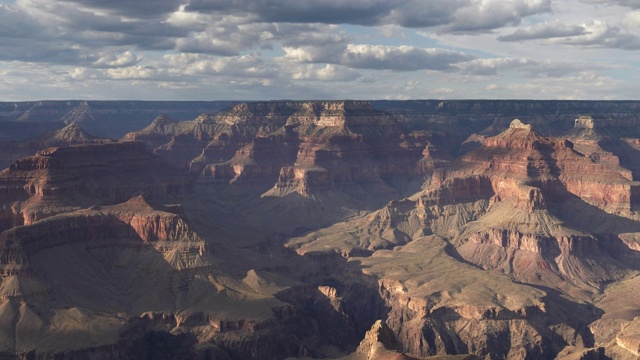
{"type": "Point", "coordinates": [316, 229]}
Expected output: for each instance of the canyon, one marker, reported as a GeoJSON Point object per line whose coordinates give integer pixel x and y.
{"type": "Point", "coordinates": [466, 229]}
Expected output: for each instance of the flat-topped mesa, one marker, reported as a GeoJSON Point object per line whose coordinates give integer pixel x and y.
{"type": "Point", "coordinates": [35, 163]}
{"type": "Point", "coordinates": [355, 115]}
{"type": "Point", "coordinates": [102, 150]}
{"type": "Point", "coordinates": [272, 113]}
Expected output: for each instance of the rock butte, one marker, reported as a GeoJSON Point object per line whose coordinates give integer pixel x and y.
{"type": "Point", "coordinates": [314, 229]}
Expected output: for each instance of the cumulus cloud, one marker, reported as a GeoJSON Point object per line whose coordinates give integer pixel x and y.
{"type": "Point", "coordinates": [544, 30]}
{"type": "Point", "coordinates": [634, 4]}
{"type": "Point", "coordinates": [485, 15]}
{"type": "Point", "coordinates": [595, 33]}
{"type": "Point", "coordinates": [600, 34]}
{"type": "Point", "coordinates": [329, 72]}
{"type": "Point", "coordinates": [320, 46]}
{"type": "Point", "coordinates": [111, 60]}
{"type": "Point", "coordinates": [132, 72]}
{"type": "Point", "coordinates": [532, 68]}
{"type": "Point", "coordinates": [584, 85]}
{"type": "Point", "coordinates": [229, 28]}
{"type": "Point", "coordinates": [251, 65]}
{"type": "Point", "coordinates": [400, 58]}
{"type": "Point", "coordinates": [274, 45]}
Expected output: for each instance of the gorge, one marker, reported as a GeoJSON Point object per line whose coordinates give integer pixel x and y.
{"type": "Point", "coordinates": [320, 229]}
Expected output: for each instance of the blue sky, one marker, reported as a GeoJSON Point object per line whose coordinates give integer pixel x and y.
{"type": "Point", "coordinates": [329, 49]}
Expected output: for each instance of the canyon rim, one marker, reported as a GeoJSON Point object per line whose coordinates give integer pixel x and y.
{"type": "Point", "coordinates": [349, 229]}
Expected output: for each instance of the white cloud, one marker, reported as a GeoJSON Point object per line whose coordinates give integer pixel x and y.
{"type": "Point", "coordinates": [484, 15]}
{"type": "Point", "coordinates": [132, 72]}
{"type": "Point", "coordinates": [251, 65]}
{"type": "Point", "coordinates": [400, 58]}
{"type": "Point", "coordinates": [634, 4]}
{"type": "Point", "coordinates": [292, 48]}
{"type": "Point", "coordinates": [329, 72]}
{"type": "Point", "coordinates": [117, 60]}
{"type": "Point", "coordinates": [600, 34]}
{"type": "Point", "coordinates": [546, 30]}
{"type": "Point", "coordinates": [585, 85]}
{"type": "Point", "coordinates": [531, 68]}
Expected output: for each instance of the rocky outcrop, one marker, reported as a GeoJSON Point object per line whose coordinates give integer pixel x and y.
{"type": "Point", "coordinates": [466, 231]}
{"type": "Point", "coordinates": [212, 138]}
{"type": "Point", "coordinates": [72, 134]}
{"type": "Point", "coordinates": [96, 227]}
{"type": "Point", "coordinates": [67, 178]}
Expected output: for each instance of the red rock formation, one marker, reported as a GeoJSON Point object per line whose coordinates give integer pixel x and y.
{"type": "Point", "coordinates": [61, 179]}
{"type": "Point", "coordinates": [505, 251]}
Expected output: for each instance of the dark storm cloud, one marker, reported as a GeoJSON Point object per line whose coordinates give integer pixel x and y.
{"type": "Point", "coordinates": [485, 14]}
{"type": "Point", "coordinates": [361, 12]}
{"type": "Point", "coordinates": [131, 8]}
{"type": "Point", "coordinates": [229, 27]}
{"type": "Point", "coordinates": [35, 43]}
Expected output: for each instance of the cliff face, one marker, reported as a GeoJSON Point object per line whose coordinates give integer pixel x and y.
{"type": "Point", "coordinates": [506, 207]}
{"type": "Point", "coordinates": [72, 134]}
{"type": "Point", "coordinates": [61, 179]}
{"type": "Point", "coordinates": [369, 230]}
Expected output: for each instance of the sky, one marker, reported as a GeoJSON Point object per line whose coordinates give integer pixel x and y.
{"type": "Point", "coordinates": [319, 49]}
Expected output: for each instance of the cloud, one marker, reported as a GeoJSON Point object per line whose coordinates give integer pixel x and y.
{"type": "Point", "coordinates": [138, 9]}
{"type": "Point", "coordinates": [93, 28]}
{"type": "Point", "coordinates": [15, 24]}
{"type": "Point", "coordinates": [400, 58]}
{"type": "Point", "coordinates": [250, 66]}
{"type": "Point", "coordinates": [459, 15]}
{"type": "Point", "coordinates": [132, 72]}
{"type": "Point", "coordinates": [595, 33]}
{"type": "Point", "coordinates": [316, 46]}
{"type": "Point", "coordinates": [634, 4]}
{"type": "Point", "coordinates": [545, 30]}
{"type": "Point", "coordinates": [111, 60]}
{"type": "Point", "coordinates": [361, 12]}
{"type": "Point", "coordinates": [632, 20]}
{"type": "Point", "coordinates": [600, 34]}
{"type": "Point", "coordinates": [289, 48]}
{"type": "Point", "coordinates": [531, 68]}
{"type": "Point", "coordinates": [329, 72]}
{"type": "Point", "coordinates": [485, 15]}
{"type": "Point", "coordinates": [584, 85]}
